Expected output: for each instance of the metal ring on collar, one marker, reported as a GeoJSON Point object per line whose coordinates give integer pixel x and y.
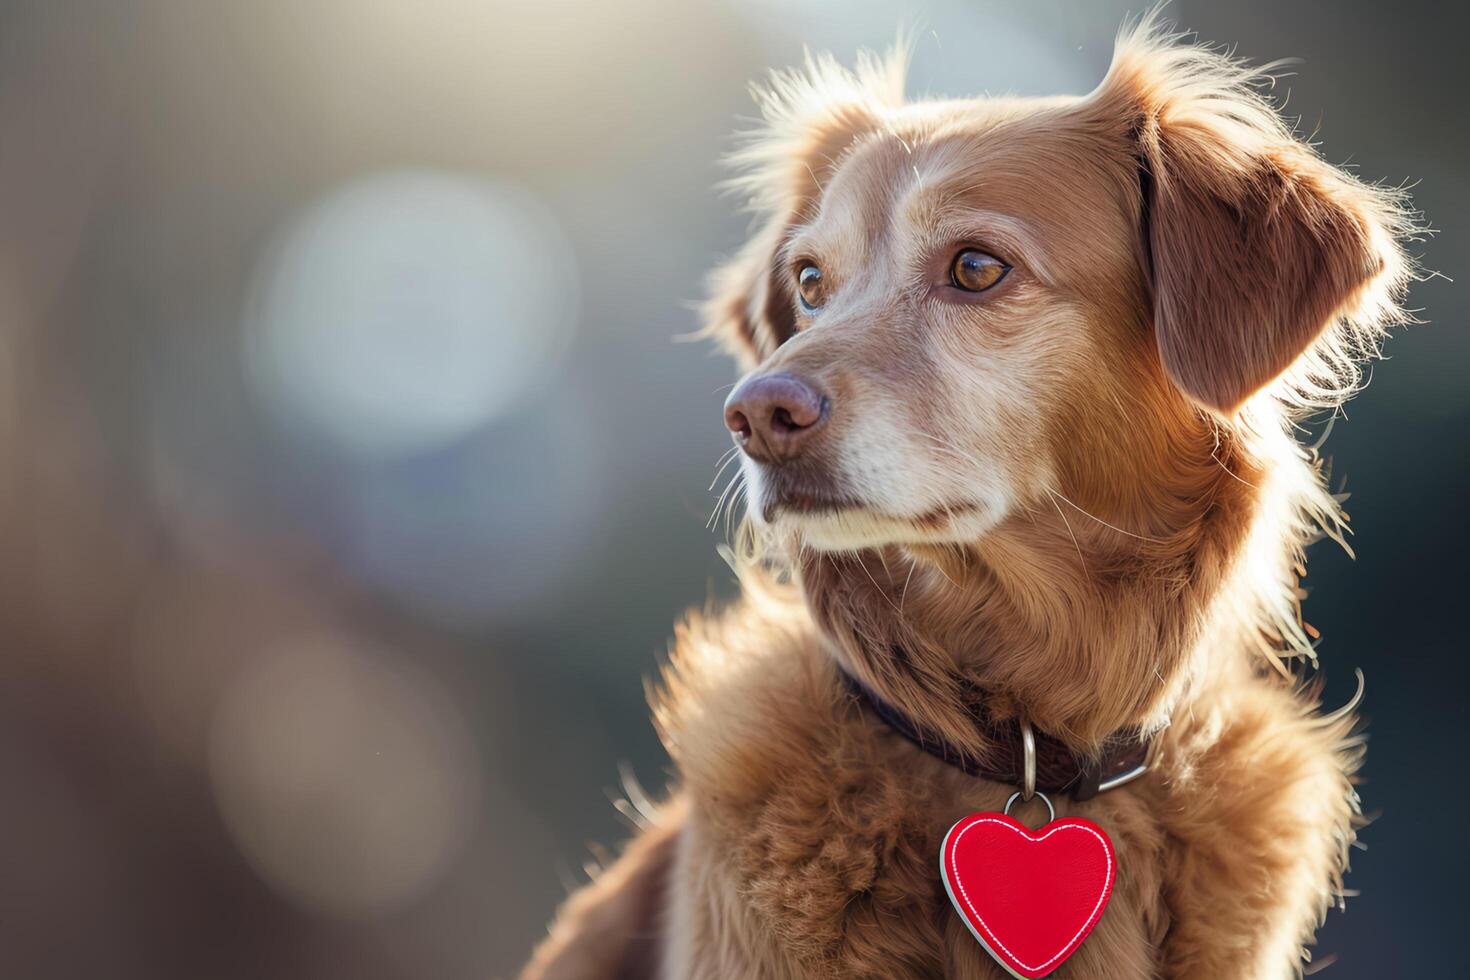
{"type": "Point", "coordinates": [1028, 764]}
{"type": "Point", "coordinates": [1123, 778]}
{"type": "Point", "coordinates": [1051, 811]}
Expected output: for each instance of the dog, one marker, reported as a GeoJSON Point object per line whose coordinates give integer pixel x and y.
{"type": "Point", "coordinates": [1017, 425]}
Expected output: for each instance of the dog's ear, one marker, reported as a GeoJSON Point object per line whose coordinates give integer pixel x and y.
{"type": "Point", "coordinates": [749, 313]}
{"type": "Point", "coordinates": [1261, 255]}
{"type": "Point", "coordinates": [811, 116]}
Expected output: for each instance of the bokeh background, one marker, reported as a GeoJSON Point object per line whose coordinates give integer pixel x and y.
{"type": "Point", "coordinates": [351, 478]}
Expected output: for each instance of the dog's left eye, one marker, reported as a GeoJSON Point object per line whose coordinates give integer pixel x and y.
{"type": "Point", "coordinates": [975, 271]}
{"type": "Point", "coordinates": [809, 287]}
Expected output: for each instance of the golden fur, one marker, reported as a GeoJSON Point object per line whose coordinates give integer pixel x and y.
{"type": "Point", "coordinates": [1082, 494]}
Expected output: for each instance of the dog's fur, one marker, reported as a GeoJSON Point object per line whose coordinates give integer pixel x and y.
{"type": "Point", "coordinates": [1080, 493]}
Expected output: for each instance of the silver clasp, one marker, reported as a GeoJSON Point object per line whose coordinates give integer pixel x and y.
{"type": "Point", "coordinates": [1051, 811]}
{"type": "Point", "coordinates": [1028, 762]}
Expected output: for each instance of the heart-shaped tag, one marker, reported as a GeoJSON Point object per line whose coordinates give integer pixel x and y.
{"type": "Point", "coordinates": [1030, 897]}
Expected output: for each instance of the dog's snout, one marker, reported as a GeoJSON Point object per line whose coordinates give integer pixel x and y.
{"type": "Point", "coordinates": [773, 416]}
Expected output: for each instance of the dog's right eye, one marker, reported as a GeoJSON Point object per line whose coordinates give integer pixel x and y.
{"type": "Point", "coordinates": [809, 287]}
{"type": "Point", "coordinates": [975, 271]}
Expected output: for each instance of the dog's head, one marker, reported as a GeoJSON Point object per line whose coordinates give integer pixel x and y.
{"type": "Point", "coordinates": [956, 311]}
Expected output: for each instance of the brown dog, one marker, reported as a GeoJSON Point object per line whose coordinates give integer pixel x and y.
{"type": "Point", "coordinates": [1017, 436]}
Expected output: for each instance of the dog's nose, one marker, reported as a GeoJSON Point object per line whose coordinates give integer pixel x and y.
{"type": "Point", "coordinates": [774, 415]}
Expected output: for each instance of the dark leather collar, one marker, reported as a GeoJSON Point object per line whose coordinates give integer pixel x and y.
{"type": "Point", "coordinates": [1058, 769]}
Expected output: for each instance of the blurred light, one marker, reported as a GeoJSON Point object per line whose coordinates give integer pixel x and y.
{"type": "Point", "coordinates": [470, 534]}
{"type": "Point", "coordinates": [405, 310]}
{"type": "Point", "coordinates": [959, 47]}
{"type": "Point", "coordinates": [195, 633]}
{"type": "Point", "coordinates": [348, 785]}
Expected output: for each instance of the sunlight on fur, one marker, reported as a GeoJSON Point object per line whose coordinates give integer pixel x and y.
{"type": "Point", "coordinates": [1077, 494]}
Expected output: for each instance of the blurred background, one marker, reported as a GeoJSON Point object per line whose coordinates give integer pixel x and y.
{"type": "Point", "coordinates": [351, 479]}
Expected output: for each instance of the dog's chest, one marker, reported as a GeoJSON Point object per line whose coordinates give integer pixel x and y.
{"type": "Point", "coordinates": [812, 845]}
{"type": "Point", "coordinates": [816, 854]}
{"type": "Point", "coordinates": [813, 884]}
{"type": "Point", "coordinates": [804, 884]}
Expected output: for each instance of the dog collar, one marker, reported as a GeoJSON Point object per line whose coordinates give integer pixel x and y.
{"type": "Point", "coordinates": [1055, 768]}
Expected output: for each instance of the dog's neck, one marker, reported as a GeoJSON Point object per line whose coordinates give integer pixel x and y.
{"type": "Point", "coordinates": [1081, 625]}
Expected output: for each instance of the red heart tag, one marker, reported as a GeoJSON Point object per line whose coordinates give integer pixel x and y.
{"type": "Point", "coordinates": [1030, 897]}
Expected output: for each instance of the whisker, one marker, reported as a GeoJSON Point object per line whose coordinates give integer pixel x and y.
{"type": "Point", "coordinates": [939, 567]}
{"type": "Point", "coordinates": [903, 596]}
{"type": "Point", "coordinates": [864, 566]}
{"type": "Point", "coordinates": [710, 523]}
{"type": "Point", "coordinates": [1214, 450]}
{"type": "Point", "coordinates": [721, 464]}
{"type": "Point", "coordinates": [882, 554]}
{"type": "Point", "coordinates": [1104, 523]}
{"type": "Point", "coordinates": [1229, 472]}
{"type": "Point", "coordinates": [727, 513]}
{"type": "Point", "coordinates": [719, 502]}
{"type": "Point", "coordinates": [950, 448]}
{"type": "Point", "coordinates": [1068, 526]}
{"type": "Point", "coordinates": [735, 501]}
